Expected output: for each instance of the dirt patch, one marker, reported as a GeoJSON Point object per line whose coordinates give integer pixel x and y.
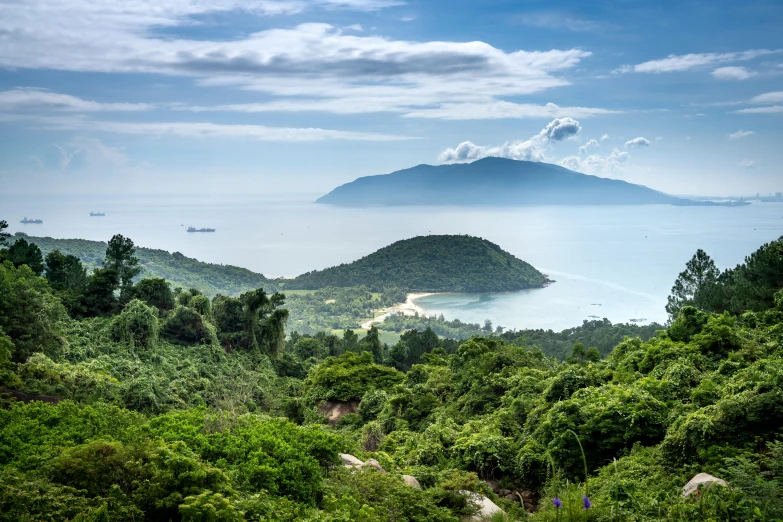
{"type": "Point", "coordinates": [333, 410]}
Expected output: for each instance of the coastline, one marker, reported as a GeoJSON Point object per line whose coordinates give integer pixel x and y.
{"type": "Point", "coordinates": [409, 307]}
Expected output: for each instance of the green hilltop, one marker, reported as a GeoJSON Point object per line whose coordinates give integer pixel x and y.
{"type": "Point", "coordinates": [176, 268]}
{"type": "Point", "coordinates": [441, 263]}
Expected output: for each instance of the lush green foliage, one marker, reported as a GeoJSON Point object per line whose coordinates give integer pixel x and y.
{"type": "Point", "coordinates": [430, 264]}
{"type": "Point", "coordinates": [172, 406]}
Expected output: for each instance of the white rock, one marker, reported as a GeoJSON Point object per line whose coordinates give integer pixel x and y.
{"type": "Point", "coordinates": [349, 461]}
{"type": "Point", "coordinates": [411, 481]}
{"type": "Point", "coordinates": [486, 508]}
{"type": "Point", "coordinates": [701, 478]}
{"type": "Point", "coordinates": [375, 464]}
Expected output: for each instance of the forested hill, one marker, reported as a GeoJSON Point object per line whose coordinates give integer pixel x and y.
{"type": "Point", "coordinates": [179, 270]}
{"type": "Point", "coordinates": [430, 264]}
{"type": "Point", "coordinates": [493, 181]}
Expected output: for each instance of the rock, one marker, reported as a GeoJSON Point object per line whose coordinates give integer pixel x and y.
{"type": "Point", "coordinates": [333, 410]}
{"type": "Point", "coordinates": [511, 497]}
{"type": "Point", "coordinates": [493, 484]}
{"type": "Point", "coordinates": [701, 478]}
{"type": "Point", "coordinates": [375, 464]}
{"type": "Point", "coordinates": [486, 508]}
{"type": "Point", "coordinates": [527, 495]}
{"type": "Point", "coordinates": [503, 492]}
{"type": "Point", "coordinates": [529, 507]}
{"type": "Point", "coordinates": [349, 461]}
{"type": "Point", "coordinates": [411, 481]}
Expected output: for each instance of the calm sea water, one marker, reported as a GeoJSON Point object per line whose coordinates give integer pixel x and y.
{"type": "Point", "coordinates": [616, 262]}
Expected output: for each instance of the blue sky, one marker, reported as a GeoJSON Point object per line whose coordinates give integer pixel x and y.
{"type": "Point", "coordinates": [283, 96]}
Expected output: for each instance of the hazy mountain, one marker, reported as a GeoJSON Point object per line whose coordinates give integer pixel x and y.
{"type": "Point", "coordinates": [430, 264]}
{"type": "Point", "coordinates": [493, 181]}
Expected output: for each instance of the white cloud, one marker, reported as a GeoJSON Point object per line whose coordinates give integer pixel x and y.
{"type": "Point", "coordinates": [772, 109]}
{"type": "Point", "coordinates": [38, 162]}
{"type": "Point", "coordinates": [591, 143]}
{"type": "Point", "coordinates": [559, 20]}
{"type": "Point", "coordinates": [740, 134]}
{"type": "Point", "coordinates": [354, 27]}
{"type": "Point", "coordinates": [732, 73]}
{"type": "Point", "coordinates": [28, 98]}
{"type": "Point", "coordinates": [747, 164]}
{"type": "Point", "coordinates": [637, 143]}
{"type": "Point", "coordinates": [532, 149]}
{"type": "Point", "coordinates": [197, 129]}
{"type": "Point", "coordinates": [504, 110]}
{"type": "Point", "coordinates": [769, 97]}
{"type": "Point", "coordinates": [659, 138]}
{"type": "Point", "coordinates": [686, 62]}
{"type": "Point", "coordinates": [604, 137]}
{"type": "Point", "coordinates": [623, 69]}
{"type": "Point", "coordinates": [597, 164]}
{"type": "Point", "coordinates": [315, 65]}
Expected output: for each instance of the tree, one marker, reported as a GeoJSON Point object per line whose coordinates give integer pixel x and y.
{"type": "Point", "coordinates": [488, 326]}
{"type": "Point", "coordinates": [350, 341]}
{"type": "Point", "coordinates": [99, 298]}
{"type": "Point", "coordinates": [121, 257]}
{"type": "Point", "coordinates": [30, 315]}
{"type": "Point", "coordinates": [23, 253]}
{"type": "Point", "coordinates": [372, 343]}
{"type": "Point", "coordinates": [154, 291]}
{"type": "Point", "coordinates": [693, 284]}
{"type": "Point", "coordinates": [255, 321]}
{"type": "Point", "coordinates": [68, 278]}
{"type": "Point", "coordinates": [3, 234]}
{"type": "Point", "coordinates": [308, 347]}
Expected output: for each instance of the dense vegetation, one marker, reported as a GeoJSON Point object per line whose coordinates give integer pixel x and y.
{"type": "Point", "coordinates": [336, 308]}
{"type": "Point", "coordinates": [598, 333]}
{"type": "Point", "coordinates": [177, 269]}
{"type": "Point", "coordinates": [155, 404]}
{"type": "Point", "coordinates": [430, 264]}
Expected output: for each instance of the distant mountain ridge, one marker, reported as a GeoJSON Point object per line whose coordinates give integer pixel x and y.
{"type": "Point", "coordinates": [437, 263]}
{"type": "Point", "coordinates": [494, 181]}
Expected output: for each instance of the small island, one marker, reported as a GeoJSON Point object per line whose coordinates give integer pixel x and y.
{"type": "Point", "coordinates": [438, 263]}
{"type": "Point", "coordinates": [28, 221]}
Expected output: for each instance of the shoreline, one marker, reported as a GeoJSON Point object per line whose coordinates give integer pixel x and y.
{"type": "Point", "coordinates": [409, 307]}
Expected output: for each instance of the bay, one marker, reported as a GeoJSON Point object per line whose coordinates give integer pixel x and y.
{"type": "Point", "coordinates": [617, 262]}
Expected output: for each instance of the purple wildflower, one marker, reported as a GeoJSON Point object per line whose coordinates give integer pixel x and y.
{"type": "Point", "coordinates": [586, 502]}
{"type": "Point", "coordinates": [557, 503]}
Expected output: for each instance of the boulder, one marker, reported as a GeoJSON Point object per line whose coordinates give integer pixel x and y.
{"type": "Point", "coordinates": [374, 464]}
{"type": "Point", "coordinates": [510, 497]}
{"type": "Point", "coordinates": [349, 461]}
{"type": "Point", "coordinates": [485, 507]}
{"type": "Point", "coordinates": [411, 481]}
{"type": "Point", "coordinates": [701, 479]}
{"type": "Point", "coordinates": [493, 484]}
{"type": "Point", "coordinates": [527, 495]}
{"type": "Point", "coordinates": [530, 508]}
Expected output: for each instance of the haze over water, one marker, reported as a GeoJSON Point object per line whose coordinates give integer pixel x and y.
{"type": "Point", "coordinates": [617, 262]}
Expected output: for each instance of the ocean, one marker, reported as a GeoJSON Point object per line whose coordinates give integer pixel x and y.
{"type": "Point", "coordinates": [614, 262]}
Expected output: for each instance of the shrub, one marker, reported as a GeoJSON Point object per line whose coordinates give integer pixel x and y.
{"type": "Point", "coordinates": [136, 325]}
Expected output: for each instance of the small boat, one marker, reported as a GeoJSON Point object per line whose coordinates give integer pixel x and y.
{"type": "Point", "coordinates": [31, 221]}
{"type": "Point", "coordinates": [191, 229]}
{"type": "Point", "coordinates": [97, 214]}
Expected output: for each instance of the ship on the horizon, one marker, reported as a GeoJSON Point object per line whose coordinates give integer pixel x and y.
{"type": "Point", "coordinates": [192, 229]}
{"type": "Point", "coordinates": [97, 214]}
{"type": "Point", "coordinates": [31, 221]}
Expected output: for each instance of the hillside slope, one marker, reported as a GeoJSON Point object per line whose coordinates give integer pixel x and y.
{"type": "Point", "coordinates": [493, 181]}
{"type": "Point", "coordinates": [430, 264]}
{"type": "Point", "coordinates": [176, 268]}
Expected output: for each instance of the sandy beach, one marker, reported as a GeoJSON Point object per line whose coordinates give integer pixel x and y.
{"type": "Point", "coordinates": [409, 307]}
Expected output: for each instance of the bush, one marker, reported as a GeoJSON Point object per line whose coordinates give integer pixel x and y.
{"type": "Point", "coordinates": [186, 326]}
{"type": "Point", "coordinates": [136, 325]}
{"type": "Point", "coordinates": [348, 377]}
